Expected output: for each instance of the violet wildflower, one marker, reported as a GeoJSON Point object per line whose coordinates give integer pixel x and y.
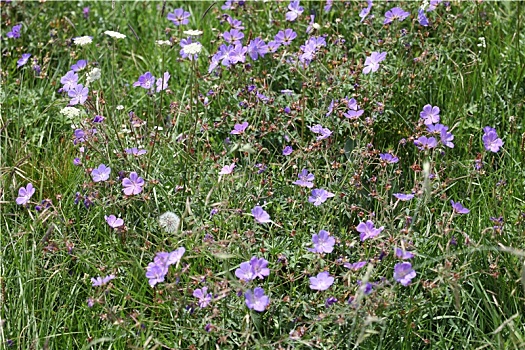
{"type": "Point", "coordinates": [25, 194]}
{"type": "Point", "coordinates": [305, 179]}
{"type": "Point", "coordinates": [227, 169]}
{"type": "Point", "coordinates": [366, 288]}
{"type": "Point", "coordinates": [260, 215]}
{"type": "Point", "coordinates": [245, 272]}
{"type": "Point", "coordinates": [403, 196]}
{"type": "Point", "coordinates": [422, 18]}
{"type": "Point", "coordinates": [256, 300]}
{"type": "Point", "coordinates": [80, 65]}
{"type": "Point", "coordinates": [458, 208]}
{"type": "Point", "coordinates": [433, 4]}
{"type": "Point", "coordinates": [113, 221]}
{"type": "Point", "coordinates": [355, 266]}
{"type": "Point", "coordinates": [403, 254]}
{"type": "Point", "coordinates": [133, 184]}
{"type": "Point", "coordinates": [287, 150]}
{"type": "Point", "coordinates": [78, 94]}
{"type": "Point", "coordinates": [404, 273]}
{"type": "Point", "coordinates": [372, 62]}
{"type": "Point", "coordinates": [239, 128]}
{"type": "Point", "coordinates": [323, 242]}
{"type": "Point", "coordinates": [322, 281]}
{"type": "Point", "coordinates": [257, 48]}
{"type": "Point", "coordinates": [203, 296]}
{"type": "Point", "coordinates": [491, 141]}
{"type": "Point", "coordinates": [233, 36]}
{"type": "Point", "coordinates": [146, 81]}
{"type": "Point", "coordinates": [429, 114]}
{"type": "Point", "coordinates": [285, 37]}
{"type": "Point", "coordinates": [23, 60]}
{"type": "Point", "coordinates": [135, 151]}
{"type": "Point", "coordinates": [364, 12]}
{"type": "Point", "coordinates": [395, 13]}
{"type": "Point", "coordinates": [330, 108]}
{"type": "Point", "coordinates": [328, 5]}
{"type": "Point", "coordinates": [319, 196]}
{"type": "Point", "coordinates": [234, 23]}
{"type": "Point", "coordinates": [162, 83]}
{"type": "Point", "coordinates": [90, 302]}
{"type": "Point", "coordinates": [179, 17]}
{"type": "Point", "coordinates": [101, 173]}
{"type": "Point", "coordinates": [436, 128]}
{"type": "Point", "coordinates": [238, 54]}
{"type": "Point", "coordinates": [388, 158]}
{"type": "Point", "coordinates": [294, 10]}
{"type": "Point", "coordinates": [259, 267]}
{"type": "Point", "coordinates": [156, 273]}
{"type": "Point", "coordinates": [14, 33]}
{"type": "Point", "coordinates": [368, 230]}
{"type": "Point", "coordinates": [169, 221]}
{"type": "Point", "coordinates": [330, 301]}
{"type": "Point", "coordinates": [85, 12]}
{"type": "Point", "coordinates": [101, 281]}
{"type": "Point", "coordinates": [446, 137]}
{"type": "Point", "coordinates": [425, 143]}
{"type": "Point", "coordinates": [273, 46]}
{"type": "Point", "coordinates": [323, 132]}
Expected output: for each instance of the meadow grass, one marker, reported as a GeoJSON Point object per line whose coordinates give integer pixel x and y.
{"type": "Point", "coordinates": [468, 291]}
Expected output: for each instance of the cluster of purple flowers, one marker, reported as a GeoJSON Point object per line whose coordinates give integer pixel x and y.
{"type": "Point", "coordinates": [248, 271]}
{"type": "Point", "coordinates": [156, 271]}
{"type": "Point", "coordinates": [430, 117]}
{"type": "Point", "coordinates": [148, 81]}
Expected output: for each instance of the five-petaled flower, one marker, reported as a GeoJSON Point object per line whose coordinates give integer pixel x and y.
{"type": "Point", "coordinates": [260, 215]}
{"type": "Point", "coordinates": [323, 242]}
{"type": "Point", "coordinates": [113, 221]}
{"type": "Point", "coordinates": [319, 196]}
{"type": "Point", "coordinates": [491, 141]}
{"type": "Point", "coordinates": [395, 13]}
{"type": "Point", "coordinates": [368, 230]}
{"type": "Point", "coordinates": [404, 273]}
{"type": "Point", "coordinates": [179, 17]}
{"type": "Point", "coordinates": [101, 173]}
{"type": "Point", "coordinates": [256, 300]}
{"type": "Point", "coordinates": [322, 281]}
{"type": "Point", "coordinates": [458, 208]}
{"type": "Point", "coordinates": [133, 184]}
{"type": "Point", "coordinates": [25, 194]}
{"type": "Point", "coordinates": [372, 62]}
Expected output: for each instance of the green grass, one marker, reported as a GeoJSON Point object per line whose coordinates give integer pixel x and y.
{"type": "Point", "coordinates": [468, 295]}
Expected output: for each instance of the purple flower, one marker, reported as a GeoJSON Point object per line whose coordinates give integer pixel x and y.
{"type": "Point", "coordinates": [403, 254]}
{"type": "Point", "coordinates": [162, 83]}
{"type": "Point", "coordinates": [319, 196]}
{"type": "Point", "coordinates": [78, 95]}
{"type": "Point", "coordinates": [113, 221]}
{"type": "Point", "coordinates": [133, 184]}
{"type": "Point", "coordinates": [430, 114]}
{"type": "Point", "coordinates": [85, 12]}
{"type": "Point", "coordinates": [234, 23]}
{"type": "Point", "coordinates": [436, 128]}
{"type": "Point", "coordinates": [433, 4]}
{"type": "Point", "coordinates": [305, 179]}
{"type": "Point", "coordinates": [233, 36]}
{"type": "Point", "coordinates": [354, 112]}
{"type": "Point", "coordinates": [446, 137]}
{"type": "Point", "coordinates": [365, 288]}
{"type": "Point", "coordinates": [23, 60]}
{"type": "Point", "coordinates": [257, 48]}
{"type": "Point", "coordinates": [25, 194]}
{"type": "Point", "coordinates": [204, 298]}
{"type": "Point", "coordinates": [171, 258]}
{"type": "Point", "coordinates": [458, 208]}
{"type": "Point", "coordinates": [425, 143]}
{"type": "Point", "coordinates": [179, 17]}
{"type": "Point", "coordinates": [295, 10]}
{"type": "Point", "coordinates": [239, 128]}
{"type": "Point", "coordinates": [285, 37]}
{"type": "Point", "coordinates": [323, 242]}
{"type": "Point", "coordinates": [422, 18]}
{"type": "Point", "coordinates": [372, 61]}
{"type": "Point", "coordinates": [330, 301]}
{"type": "Point", "coordinates": [135, 151]}
{"type": "Point", "coordinates": [156, 273]}
{"type": "Point", "coordinates": [101, 173]}
{"type": "Point", "coordinates": [259, 267]}
{"type": "Point", "coordinates": [491, 141]}
{"type": "Point", "coordinates": [323, 281]}
{"type": "Point", "coordinates": [260, 215]}
{"type": "Point", "coordinates": [145, 81]}
{"type": "Point", "coordinates": [101, 281]}
{"type": "Point", "coordinates": [368, 230]}
{"type": "Point", "coordinates": [395, 13]}
{"type": "Point", "coordinates": [323, 132]}
{"type": "Point", "coordinates": [227, 169]}
{"type": "Point", "coordinates": [287, 150]}
{"type": "Point", "coordinates": [364, 12]}
{"type": "Point", "coordinates": [330, 108]}
{"type": "Point", "coordinates": [273, 46]}
{"type": "Point", "coordinates": [15, 32]}
{"type": "Point", "coordinates": [355, 266]}
{"type": "Point", "coordinates": [328, 5]}
{"type": "Point", "coordinates": [81, 64]}
{"type": "Point", "coordinates": [256, 300]}
{"type": "Point", "coordinates": [404, 197]}
{"type": "Point", "coordinates": [245, 272]}
{"type": "Point", "coordinates": [403, 273]}
{"type": "Point", "coordinates": [388, 158]}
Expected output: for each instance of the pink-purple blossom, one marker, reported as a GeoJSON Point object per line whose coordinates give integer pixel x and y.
{"type": "Point", "coordinates": [113, 221]}
{"type": "Point", "coordinates": [372, 62]}
{"type": "Point", "coordinates": [256, 300]}
{"type": "Point", "coordinates": [101, 173]}
{"type": "Point", "coordinates": [319, 196]}
{"type": "Point", "coordinates": [404, 273]}
{"type": "Point", "coordinates": [368, 230]}
{"type": "Point", "coordinates": [322, 281]}
{"type": "Point", "coordinates": [179, 17]}
{"type": "Point", "coordinates": [323, 242]}
{"type": "Point", "coordinates": [25, 194]}
{"type": "Point", "coordinates": [260, 215]}
{"type": "Point", "coordinates": [132, 185]}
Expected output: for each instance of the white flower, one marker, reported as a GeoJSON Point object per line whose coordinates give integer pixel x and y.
{"type": "Point", "coordinates": [119, 107]}
{"type": "Point", "coordinates": [115, 35]}
{"type": "Point", "coordinates": [93, 75]}
{"type": "Point", "coordinates": [163, 42]}
{"type": "Point", "coordinates": [316, 26]}
{"type": "Point", "coordinates": [83, 40]}
{"type": "Point", "coordinates": [192, 49]}
{"type": "Point", "coordinates": [169, 221]}
{"type": "Point", "coordinates": [70, 112]}
{"type": "Point", "coordinates": [192, 32]}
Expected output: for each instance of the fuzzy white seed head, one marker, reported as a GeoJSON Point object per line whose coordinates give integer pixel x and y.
{"type": "Point", "coordinates": [169, 221]}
